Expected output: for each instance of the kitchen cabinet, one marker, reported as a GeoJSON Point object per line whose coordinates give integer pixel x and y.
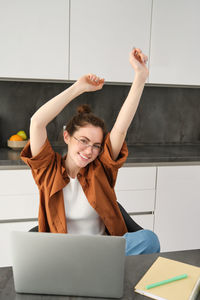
{"type": "Point", "coordinates": [102, 33]}
{"type": "Point", "coordinates": [177, 207]}
{"type": "Point", "coordinates": [19, 201]}
{"type": "Point", "coordinates": [5, 230]}
{"type": "Point", "coordinates": [62, 40]}
{"type": "Point", "coordinates": [135, 190]}
{"type": "Point", "coordinates": [175, 44]}
{"type": "Point", "coordinates": [19, 197]}
{"type": "Point", "coordinates": [34, 39]}
{"type": "Point", "coordinates": [164, 199]}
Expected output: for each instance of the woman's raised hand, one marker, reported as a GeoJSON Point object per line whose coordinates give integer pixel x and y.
{"type": "Point", "coordinates": [90, 83]}
{"type": "Point", "coordinates": [138, 61]}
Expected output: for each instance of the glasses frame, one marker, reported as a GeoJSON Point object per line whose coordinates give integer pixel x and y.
{"type": "Point", "coordinates": [89, 145]}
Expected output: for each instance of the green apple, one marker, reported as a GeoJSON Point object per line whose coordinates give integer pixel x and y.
{"type": "Point", "coordinates": [23, 135]}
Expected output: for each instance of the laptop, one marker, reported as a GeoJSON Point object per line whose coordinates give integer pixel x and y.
{"type": "Point", "coordinates": [66, 264]}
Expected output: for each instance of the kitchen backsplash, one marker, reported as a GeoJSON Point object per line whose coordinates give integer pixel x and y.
{"type": "Point", "coordinates": [166, 115]}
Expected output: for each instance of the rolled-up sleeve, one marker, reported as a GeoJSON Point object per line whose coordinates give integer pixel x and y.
{"type": "Point", "coordinates": [41, 164]}
{"type": "Point", "coordinates": [106, 156]}
{"type": "Point", "coordinates": [111, 166]}
{"type": "Point", "coordinates": [42, 159]}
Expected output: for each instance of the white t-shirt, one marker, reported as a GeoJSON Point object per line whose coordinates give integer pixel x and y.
{"type": "Point", "coordinates": [81, 217]}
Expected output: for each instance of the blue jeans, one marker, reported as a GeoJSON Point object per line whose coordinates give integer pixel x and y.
{"type": "Point", "coordinates": [141, 242]}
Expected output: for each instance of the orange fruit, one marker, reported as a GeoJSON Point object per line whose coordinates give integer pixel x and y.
{"type": "Point", "coordinates": [16, 137]}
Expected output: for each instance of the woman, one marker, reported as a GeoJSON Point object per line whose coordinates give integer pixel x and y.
{"type": "Point", "coordinates": [77, 191]}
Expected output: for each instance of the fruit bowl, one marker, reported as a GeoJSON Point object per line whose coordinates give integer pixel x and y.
{"type": "Point", "coordinates": [16, 145]}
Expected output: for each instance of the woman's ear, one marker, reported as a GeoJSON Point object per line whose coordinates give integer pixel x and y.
{"type": "Point", "coordinates": [66, 136]}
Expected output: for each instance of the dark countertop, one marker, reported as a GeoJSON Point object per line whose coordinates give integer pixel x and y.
{"type": "Point", "coordinates": [135, 267]}
{"type": "Point", "coordinates": [138, 155]}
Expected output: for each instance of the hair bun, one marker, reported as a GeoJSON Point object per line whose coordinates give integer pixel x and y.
{"type": "Point", "coordinates": [84, 109]}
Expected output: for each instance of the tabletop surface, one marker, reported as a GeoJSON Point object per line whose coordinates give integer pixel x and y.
{"type": "Point", "coordinates": [135, 267]}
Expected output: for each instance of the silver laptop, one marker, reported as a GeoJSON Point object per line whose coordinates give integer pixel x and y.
{"type": "Point", "coordinates": [65, 264]}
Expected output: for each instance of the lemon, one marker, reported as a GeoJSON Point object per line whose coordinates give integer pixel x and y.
{"type": "Point", "coordinates": [22, 134]}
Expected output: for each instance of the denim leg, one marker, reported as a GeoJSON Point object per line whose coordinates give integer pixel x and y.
{"type": "Point", "coordinates": [141, 242]}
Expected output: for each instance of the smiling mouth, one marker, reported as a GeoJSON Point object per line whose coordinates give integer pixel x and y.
{"type": "Point", "coordinates": [84, 157]}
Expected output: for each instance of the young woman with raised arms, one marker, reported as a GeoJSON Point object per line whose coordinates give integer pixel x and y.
{"type": "Point", "coordinates": [77, 191]}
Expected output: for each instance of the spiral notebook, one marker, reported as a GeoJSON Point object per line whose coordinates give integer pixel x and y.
{"type": "Point", "coordinates": [163, 269]}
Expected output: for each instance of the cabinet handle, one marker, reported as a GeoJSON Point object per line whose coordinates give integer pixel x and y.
{"type": "Point", "coordinates": [18, 220]}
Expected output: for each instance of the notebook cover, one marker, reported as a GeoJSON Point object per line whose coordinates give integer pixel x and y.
{"type": "Point", "coordinates": [164, 268]}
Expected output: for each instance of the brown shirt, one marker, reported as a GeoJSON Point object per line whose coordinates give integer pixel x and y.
{"type": "Point", "coordinates": [97, 180]}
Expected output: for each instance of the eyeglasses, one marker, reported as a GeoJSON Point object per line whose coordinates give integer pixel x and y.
{"type": "Point", "coordinates": [83, 143]}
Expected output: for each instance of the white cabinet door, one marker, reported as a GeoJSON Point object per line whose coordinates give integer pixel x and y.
{"type": "Point", "coordinates": [175, 45]}
{"type": "Point", "coordinates": [19, 195]}
{"type": "Point", "coordinates": [137, 201]}
{"type": "Point", "coordinates": [5, 229]}
{"type": "Point", "coordinates": [34, 38]}
{"type": "Point", "coordinates": [177, 209]}
{"type": "Point", "coordinates": [145, 221]}
{"type": "Point", "coordinates": [136, 178]}
{"type": "Point", "coordinates": [19, 201]}
{"type": "Point", "coordinates": [102, 33]}
{"type": "Point", "coordinates": [135, 190]}
{"type": "Point", "coordinates": [19, 207]}
{"type": "Point", "coordinates": [17, 182]}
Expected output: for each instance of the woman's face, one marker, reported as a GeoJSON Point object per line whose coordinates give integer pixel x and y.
{"type": "Point", "coordinates": [84, 145]}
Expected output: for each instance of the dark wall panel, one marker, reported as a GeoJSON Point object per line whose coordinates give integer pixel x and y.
{"type": "Point", "coordinates": [166, 115]}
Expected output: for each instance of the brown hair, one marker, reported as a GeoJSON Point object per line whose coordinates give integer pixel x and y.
{"type": "Point", "coordinates": [83, 117]}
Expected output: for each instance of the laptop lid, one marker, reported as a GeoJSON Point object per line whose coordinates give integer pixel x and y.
{"type": "Point", "coordinates": [65, 264]}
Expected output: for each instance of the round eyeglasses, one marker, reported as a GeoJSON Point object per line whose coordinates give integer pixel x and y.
{"type": "Point", "coordinates": [83, 143]}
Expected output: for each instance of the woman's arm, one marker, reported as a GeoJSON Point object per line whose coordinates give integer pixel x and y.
{"type": "Point", "coordinates": [46, 113]}
{"type": "Point", "coordinates": [118, 133]}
